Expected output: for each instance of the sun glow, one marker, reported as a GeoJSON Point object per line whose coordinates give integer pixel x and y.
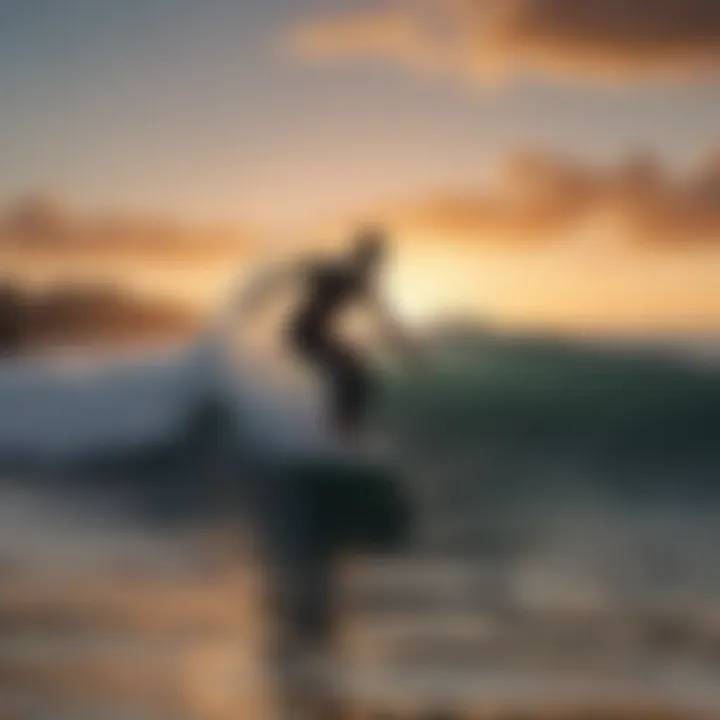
{"type": "Point", "coordinates": [427, 281]}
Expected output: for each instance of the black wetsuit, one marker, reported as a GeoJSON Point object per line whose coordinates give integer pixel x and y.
{"type": "Point", "coordinates": [331, 289]}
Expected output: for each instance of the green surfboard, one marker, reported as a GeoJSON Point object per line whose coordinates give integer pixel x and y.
{"type": "Point", "coordinates": [354, 505]}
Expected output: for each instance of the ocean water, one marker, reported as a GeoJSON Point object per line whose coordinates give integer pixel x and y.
{"type": "Point", "coordinates": [565, 499]}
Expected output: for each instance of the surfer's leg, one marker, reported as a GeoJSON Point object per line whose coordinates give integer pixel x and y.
{"type": "Point", "coordinates": [346, 377]}
{"type": "Point", "coordinates": [351, 389]}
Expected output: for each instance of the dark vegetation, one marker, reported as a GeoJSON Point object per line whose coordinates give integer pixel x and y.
{"type": "Point", "coordinates": [84, 315]}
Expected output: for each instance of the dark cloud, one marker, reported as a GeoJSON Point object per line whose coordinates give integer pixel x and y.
{"type": "Point", "coordinates": [610, 39]}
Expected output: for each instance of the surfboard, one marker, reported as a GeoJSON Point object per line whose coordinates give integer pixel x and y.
{"type": "Point", "coordinates": [354, 504]}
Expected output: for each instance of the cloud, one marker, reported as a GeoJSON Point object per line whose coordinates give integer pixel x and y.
{"type": "Point", "coordinates": [484, 39]}
{"type": "Point", "coordinates": [42, 226]}
{"type": "Point", "coordinates": [540, 198]}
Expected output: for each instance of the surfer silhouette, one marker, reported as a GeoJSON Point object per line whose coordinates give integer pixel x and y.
{"type": "Point", "coordinates": [311, 511]}
{"type": "Point", "coordinates": [329, 287]}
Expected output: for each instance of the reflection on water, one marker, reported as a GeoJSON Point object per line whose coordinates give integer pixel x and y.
{"type": "Point", "coordinates": [173, 644]}
{"type": "Point", "coordinates": [144, 638]}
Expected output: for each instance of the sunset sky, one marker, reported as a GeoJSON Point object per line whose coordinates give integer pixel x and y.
{"type": "Point", "coordinates": [541, 161]}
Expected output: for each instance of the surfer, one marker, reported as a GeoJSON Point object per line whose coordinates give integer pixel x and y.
{"type": "Point", "coordinates": [301, 520]}
{"type": "Point", "coordinates": [330, 287]}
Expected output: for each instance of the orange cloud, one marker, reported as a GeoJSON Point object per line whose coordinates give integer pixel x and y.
{"type": "Point", "coordinates": [539, 198]}
{"type": "Point", "coordinates": [42, 227]}
{"type": "Point", "coordinates": [481, 39]}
